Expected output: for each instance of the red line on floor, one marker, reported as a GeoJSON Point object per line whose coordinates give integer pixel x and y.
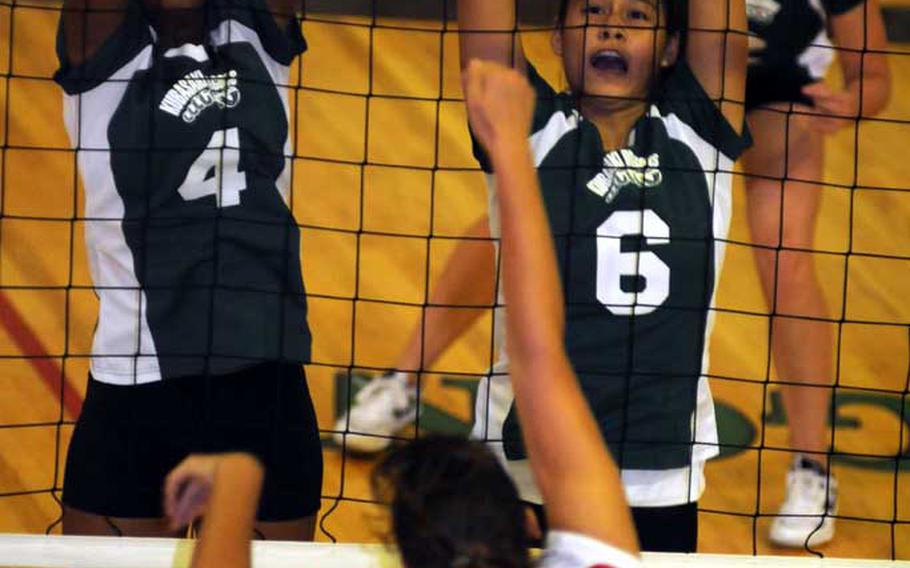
{"type": "Point", "coordinates": [47, 366]}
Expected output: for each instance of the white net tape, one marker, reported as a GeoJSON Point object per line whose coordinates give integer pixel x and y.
{"type": "Point", "coordinates": [28, 551]}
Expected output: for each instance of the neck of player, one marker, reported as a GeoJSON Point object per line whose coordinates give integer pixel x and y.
{"type": "Point", "coordinates": [614, 118]}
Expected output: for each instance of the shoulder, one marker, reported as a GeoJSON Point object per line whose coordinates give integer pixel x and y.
{"type": "Point", "coordinates": [276, 30]}
{"type": "Point", "coordinates": [690, 116]}
{"type": "Point", "coordinates": [573, 550]}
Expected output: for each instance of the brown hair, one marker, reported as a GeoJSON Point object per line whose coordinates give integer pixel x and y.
{"type": "Point", "coordinates": [452, 506]}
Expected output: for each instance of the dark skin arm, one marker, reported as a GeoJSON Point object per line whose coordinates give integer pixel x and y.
{"type": "Point", "coordinates": [89, 23]}
{"type": "Point", "coordinates": [478, 21]}
{"type": "Point", "coordinates": [284, 11]}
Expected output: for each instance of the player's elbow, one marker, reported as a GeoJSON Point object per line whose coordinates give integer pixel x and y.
{"type": "Point", "coordinates": [875, 89]}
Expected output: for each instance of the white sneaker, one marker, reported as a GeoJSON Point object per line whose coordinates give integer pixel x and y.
{"type": "Point", "coordinates": [805, 518]}
{"type": "Point", "coordinates": [381, 409]}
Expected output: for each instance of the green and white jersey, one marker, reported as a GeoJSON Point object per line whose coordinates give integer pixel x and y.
{"type": "Point", "coordinates": [640, 235]}
{"type": "Point", "coordinates": [185, 158]}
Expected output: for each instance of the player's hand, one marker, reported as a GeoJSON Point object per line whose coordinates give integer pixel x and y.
{"type": "Point", "coordinates": [500, 104]}
{"type": "Point", "coordinates": [187, 488]}
{"type": "Point", "coordinates": [832, 110]}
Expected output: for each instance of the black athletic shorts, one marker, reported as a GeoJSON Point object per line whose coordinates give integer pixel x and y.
{"type": "Point", "coordinates": [660, 529]}
{"type": "Point", "coordinates": [129, 437]}
{"type": "Point", "coordinates": [766, 85]}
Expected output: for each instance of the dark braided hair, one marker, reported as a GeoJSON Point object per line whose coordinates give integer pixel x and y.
{"type": "Point", "coordinates": [452, 506]}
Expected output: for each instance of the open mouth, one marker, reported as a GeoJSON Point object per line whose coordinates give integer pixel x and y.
{"type": "Point", "coordinates": [609, 61]}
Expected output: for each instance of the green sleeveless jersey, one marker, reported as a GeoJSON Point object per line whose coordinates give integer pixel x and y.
{"type": "Point", "coordinates": [639, 235]}
{"type": "Point", "coordinates": [185, 158]}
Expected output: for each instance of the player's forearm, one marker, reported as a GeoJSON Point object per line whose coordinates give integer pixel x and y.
{"type": "Point", "coordinates": [562, 440]}
{"type": "Point", "coordinates": [867, 76]}
{"type": "Point", "coordinates": [228, 524]}
{"type": "Point", "coordinates": [873, 89]}
{"type": "Point", "coordinates": [717, 50]}
{"type": "Point", "coordinates": [534, 300]}
{"type": "Point", "coordinates": [467, 284]}
{"type": "Point", "coordinates": [284, 11]}
{"type": "Point", "coordinates": [721, 25]}
{"type": "Point", "coordinates": [87, 24]}
{"type": "Point", "coordinates": [487, 31]}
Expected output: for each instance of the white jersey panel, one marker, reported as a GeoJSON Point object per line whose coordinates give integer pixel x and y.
{"type": "Point", "coordinates": [718, 170]}
{"type": "Point", "coordinates": [820, 53]}
{"type": "Point", "coordinates": [232, 31]}
{"type": "Point", "coordinates": [544, 140]}
{"type": "Point", "coordinates": [123, 351]}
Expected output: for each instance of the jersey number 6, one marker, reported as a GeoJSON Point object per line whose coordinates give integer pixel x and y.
{"type": "Point", "coordinates": [216, 171]}
{"type": "Point", "coordinates": [650, 276]}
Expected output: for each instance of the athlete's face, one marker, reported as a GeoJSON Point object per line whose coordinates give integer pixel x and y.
{"type": "Point", "coordinates": [614, 48]}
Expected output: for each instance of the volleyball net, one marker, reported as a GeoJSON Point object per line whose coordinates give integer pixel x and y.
{"type": "Point", "coordinates": [384, 189]}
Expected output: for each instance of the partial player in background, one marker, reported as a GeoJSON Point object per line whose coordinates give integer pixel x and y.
{"type": "Point", "coordinates": [452, 505]}
{"type": "Point", "coordinates": [790, 111]}
{"type": "Point", "coordinates": [635, 163]}
{"type": "Point", "coordinates": [178, 111]}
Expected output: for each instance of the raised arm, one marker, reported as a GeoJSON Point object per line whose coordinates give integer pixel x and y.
{"type": "Point", "coordinates": [717, 51]}
{"type": "Point", "coordinates": [87, 24]}
{"type": "Point", "coordinates": [284, 11]}
{"type": "Point", "coordinates": [488, 31]}
{"type": "Point", "coordinates": [579, 482]}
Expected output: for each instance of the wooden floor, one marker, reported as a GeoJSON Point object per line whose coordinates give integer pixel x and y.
{"type": "Point", "coordinates": [416, 183]}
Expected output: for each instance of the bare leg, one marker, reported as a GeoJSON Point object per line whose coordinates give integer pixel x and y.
{"type": "Point", "coordinates": [468, 279]}
{"type": "Point", "coordinates": [802, 349]}
{"type": "Point", "coordinates": [299, 529]}
{"type": "Point", "coordinates": [76, 522]}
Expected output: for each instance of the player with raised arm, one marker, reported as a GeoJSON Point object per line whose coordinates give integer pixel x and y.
{"type": "Point", "coordinates": [435, 522]}
{"type": "Point", "coordinates": [635, 163]}
{"type": "Point", "coordinates": [790, 111]}
{"type": "Point", "coordinates": [178, 111]}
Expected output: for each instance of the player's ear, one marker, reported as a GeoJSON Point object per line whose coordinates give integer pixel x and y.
{"type": "Point", "coordinates": [671, 52]}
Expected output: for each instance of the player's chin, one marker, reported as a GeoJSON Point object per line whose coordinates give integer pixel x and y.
{"type": "Point", "coordinates": [612, 91]}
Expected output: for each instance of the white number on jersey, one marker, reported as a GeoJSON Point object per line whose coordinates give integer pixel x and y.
{"type": "Point", "coordinates": [613, 264]}
{"type": "Point", "coordinates": [217, 171]}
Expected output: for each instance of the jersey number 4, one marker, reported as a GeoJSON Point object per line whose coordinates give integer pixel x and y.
{"type": "Point", "coordinates": [216, 171]}
{"type": "Point", "coordinates": [649, 275]}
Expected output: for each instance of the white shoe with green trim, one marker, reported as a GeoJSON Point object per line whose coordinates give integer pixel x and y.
{"type": "Point", "coordinates": [379, 411]}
